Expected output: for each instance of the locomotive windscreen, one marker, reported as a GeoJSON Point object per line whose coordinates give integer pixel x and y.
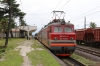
{"type": "Point", "coordinates": [58, 29]}
{"type": "Point", "coordinates": [68, 29]}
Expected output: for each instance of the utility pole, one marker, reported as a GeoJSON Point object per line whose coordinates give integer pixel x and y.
{"type": "Point", "coordinates": [10, 17]}
{"type": "Point", "coordinates": [85, 22]}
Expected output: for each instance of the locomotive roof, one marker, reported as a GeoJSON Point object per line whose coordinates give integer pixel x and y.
{"type": "Point", "coordinates": [69, 24]}
{"type": "Point", "coordinates": [57, 22]}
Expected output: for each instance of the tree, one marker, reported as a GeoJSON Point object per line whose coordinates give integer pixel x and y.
{"type": "Point", "coordinates": [21, 20]}
{"type": "Point", "coordinates": [4, 25]}
{"type": "Point", "coordinates": [92, 25]}
{"type": "Point", "coordinates": [10, 11]}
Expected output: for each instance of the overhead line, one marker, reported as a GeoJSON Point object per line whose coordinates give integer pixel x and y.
{"type": "Point", "coordinates": [93, 13]}
{"type": "Point", "coordinates": [87, 15]}
{"type": "Point", "coordinates": [64, 4]}
{"type": "Point", "coordinates": [87, 12]}
{"type": "Point", "coordinates": [58, 4]}
{"type": "Point", "coordinates": [54, 9]}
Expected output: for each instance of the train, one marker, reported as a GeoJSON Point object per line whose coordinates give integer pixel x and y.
{"type": "Point", "coordinates": [58, 36]}
{"type": "Point", "coordinates": [88, 36]}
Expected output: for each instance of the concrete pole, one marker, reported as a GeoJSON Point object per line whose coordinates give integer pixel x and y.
{"type": "Point", "coordinates": [85, 22]}
{"type": "Point", "coordinates": [28, 32]}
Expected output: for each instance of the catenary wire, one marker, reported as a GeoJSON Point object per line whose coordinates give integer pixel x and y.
{"type": "Point", "coordinates": [65, 4]}
{"type": "Point", "coordinates": [58, 4]}
{"type": "Point", "coordinates": [85, 13]}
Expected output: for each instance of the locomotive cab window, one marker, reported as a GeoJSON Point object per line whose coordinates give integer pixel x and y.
{"type": "Point", "coordinates": [68, 29]}
{"type": "Point", "coordinates": [58, 29]}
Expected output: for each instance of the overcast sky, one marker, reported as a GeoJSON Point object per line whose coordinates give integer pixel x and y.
{"type": "Point", "coordinates": [38, 12]}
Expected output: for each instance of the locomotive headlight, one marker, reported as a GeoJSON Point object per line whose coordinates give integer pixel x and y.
{"type": "Point", "coordinates": [71, 38]}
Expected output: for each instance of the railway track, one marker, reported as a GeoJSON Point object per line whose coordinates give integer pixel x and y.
{"type": "Point", "coordinates": [71, 62]}
{"type": "Point", "coordinates": [88, 50]}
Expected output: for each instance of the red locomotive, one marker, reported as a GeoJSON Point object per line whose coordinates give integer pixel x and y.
{"type": "Point", "coordinates": [89, 36]}
{"type": "Point", "coordinates": [58, 36]}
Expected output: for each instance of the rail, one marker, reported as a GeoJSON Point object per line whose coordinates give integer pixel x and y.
{"type": "Point", "coordinates": [71, 62]}
{"type": "Point", "coordinates": [93, 52]}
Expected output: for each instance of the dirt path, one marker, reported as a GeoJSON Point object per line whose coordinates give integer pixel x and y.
{"type": "Point", "coordinates": [24, 49]}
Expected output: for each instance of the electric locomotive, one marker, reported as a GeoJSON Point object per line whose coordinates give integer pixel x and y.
{"type": "Point", "coordinates": [58, 36]}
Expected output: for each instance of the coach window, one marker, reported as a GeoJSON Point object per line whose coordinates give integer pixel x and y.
{"type": "Point", "coordinates": [68, 29]}
{"type": "Point", "coordinates": [58, 29]}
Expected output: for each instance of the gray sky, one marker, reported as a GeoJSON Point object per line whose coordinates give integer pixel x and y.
{"type": "Point", "coordinates": [38, 12]}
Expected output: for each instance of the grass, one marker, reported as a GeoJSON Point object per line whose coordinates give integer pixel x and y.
{"type": "Point", "coordinates": [10, 56]}
{"type": "Point", "coordinates": [41, 57]}
{"type": "Point", "coordinates": [37, 45]}
{"type": "Point", "coordinates": [2, 42]}
{"type": "Point", "coordinates": [83, 60]}
{"type": "Point", "coordinates": [12, 59]}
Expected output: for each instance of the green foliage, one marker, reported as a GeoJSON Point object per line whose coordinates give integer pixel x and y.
{"type": "Point", "coordinates": [92, 25]}
{"type": "Point", "coordinates": [3, 24]}
{"type": "Point", "coordinates": [21, 20]}
{"type": "Point", "coordinates": [16, 12]}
